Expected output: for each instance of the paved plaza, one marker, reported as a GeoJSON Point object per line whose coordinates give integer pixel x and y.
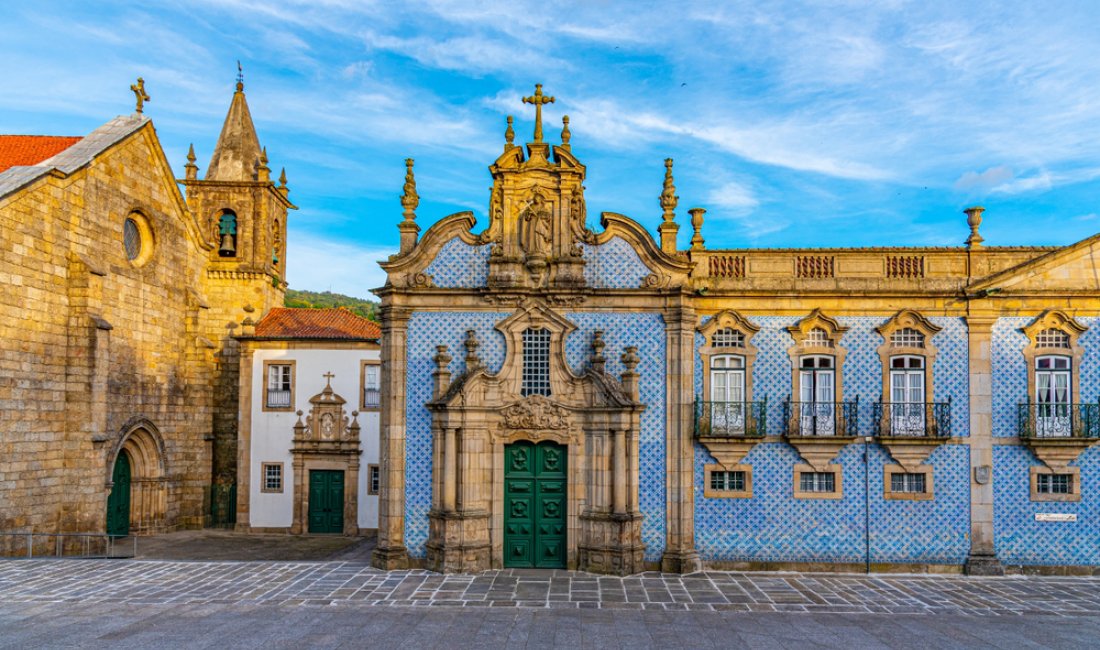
{"type": "Point", "coordinates": [158, 603]}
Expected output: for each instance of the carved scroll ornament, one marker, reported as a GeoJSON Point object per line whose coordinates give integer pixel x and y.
{"type": "Point", "coordinates": [535, 412]}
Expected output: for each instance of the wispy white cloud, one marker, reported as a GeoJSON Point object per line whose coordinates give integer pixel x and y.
{"type": "Point", "coordinates": [327, 264]}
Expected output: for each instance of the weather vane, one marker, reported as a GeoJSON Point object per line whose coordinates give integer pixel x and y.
{"type": "Point", "coordinates": [240, 76]}
{"type": "Point", "coordinates": [140, 94]}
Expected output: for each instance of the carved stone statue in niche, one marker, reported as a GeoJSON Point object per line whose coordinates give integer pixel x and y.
{"type": "Point", "coordinates": [537, 223]}
{"type": "Point", "coordinates": [577, 217]}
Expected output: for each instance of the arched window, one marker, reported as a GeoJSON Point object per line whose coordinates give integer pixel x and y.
{"type": "Point", "coordinates": [276, 243]}
{"type": "Point", "coordinates": [817, 337]}
{"type": "Point", "coordinates": [227, 234]}
{"type": "Point", "coordinates": [1052, 338]}
{"type": "Point", "coordinates": [727, 337]}
{"type": "Point", "coordinates": [907, 337]}
{"type": "Point", "coordinates": [536, 362]}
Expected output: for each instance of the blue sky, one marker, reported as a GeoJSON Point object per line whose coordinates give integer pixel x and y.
{"type": "Point", "coordinates": [793, 123]}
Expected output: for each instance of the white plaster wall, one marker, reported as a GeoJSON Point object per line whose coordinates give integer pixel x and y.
{"type": "Point", "coordinates": [273, 431]}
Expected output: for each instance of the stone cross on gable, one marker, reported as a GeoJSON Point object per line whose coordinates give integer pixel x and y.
{"type": "Point", "coordinates": [538, 99]}
{"type": "Point", "coordinates": [328, 377]}
{"type": "Point", "coordinates": [139, 92]}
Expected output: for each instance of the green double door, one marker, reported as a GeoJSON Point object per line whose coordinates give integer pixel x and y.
{"type": "Point", "coordinates": [326, 501]}
{"type": "Point", "coordinates": [534, 505]}
{"type": "Point", "coordinates": [118, 501]}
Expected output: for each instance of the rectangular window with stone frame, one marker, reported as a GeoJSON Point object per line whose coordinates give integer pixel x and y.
{"type": "Point", "coordinates": [374, 479]}
{"type": "Point", "coordinates": [371, 382]}
{"type": "Point", "coordinates": [272, 477]}
{"type": "Point", "coordinates": [278, 387]}
{"type": "Point", "coordinates": [811, 483]}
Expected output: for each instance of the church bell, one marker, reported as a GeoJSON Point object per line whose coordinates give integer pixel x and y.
{"type": "Point", "coordinates": [228, 247]}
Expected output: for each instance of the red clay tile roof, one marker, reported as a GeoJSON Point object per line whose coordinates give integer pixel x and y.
{"type": "Point", "coordinates": [299, 323]}
{"type": "Point", "coordinates": [16, 150]}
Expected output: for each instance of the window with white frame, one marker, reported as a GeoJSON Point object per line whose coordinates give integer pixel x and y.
{"type": "Point", "coordinates": [817, 386]}
{"type": "Point", "coordinates": [1053, 382]}
{"type": "Point", "coordinates": [817, 482]}
{"type": "Point", "coordinates": [1052, 338]}
{"type": "Point", "coordinates": [817, 338]}
{"type": "Point", "coordinates": [536, 362]}
{"type": "Point", "coordinates": [272, 477]}
{"type": "Point", "coordinates": [374, 479]}
{"type": "Point", "coordinates": [279, 385]}
{"type": "Point", "coordinates": [908, 483]}
{"type": "Point", "coordinates": [727, 393]}
{"type": "Point", "coordinates": [907, 337]}
{"type": "Point", "coordinates": [372, 385]}
{"type": "Point", "coordinates": [727, 337]}
{"type": "Point", "coordinates": [907, 395]}
{"type": "Point", "coordinates": [1054, 483]}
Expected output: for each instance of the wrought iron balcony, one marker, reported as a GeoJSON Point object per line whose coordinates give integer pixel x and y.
{"type": "Point", "coordinates": [813, 419]}
{"type": "Point", "coordinates": [1040, 421]}
{"type": "Point", "coordinates": [913, 419]}
{"type": "Point", "coordinates": [731, 419]}
{"type": "Point", "coordinates": [372, 398]}
{"type": "Point", "coordinates": [278, 399]}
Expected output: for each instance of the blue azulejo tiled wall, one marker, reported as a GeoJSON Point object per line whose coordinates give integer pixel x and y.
{"type": "Point", "coordinates": [647, 331]}
{"type": "Point", "coordinates": [460, 265]}
{"type": "Point", "coordinates": [425, 331]}
{"type": "Point", "coordinates": [613, 265]}
{"type": "Point", "coordinates": [429, 329]}
{"type": "Point", "coordinates": [1018, 538]}
{"type": "Point", "coordinates": [862, 371]}
{"type": "Point", "coordinates": [773, 526]}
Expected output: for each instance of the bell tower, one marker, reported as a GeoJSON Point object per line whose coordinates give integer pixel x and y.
{"type": "Point", "coordinates": [242, 213]}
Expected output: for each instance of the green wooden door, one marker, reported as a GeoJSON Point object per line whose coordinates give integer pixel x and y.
{"type": "Point", "coordinates": [326, 501]}
{"type": "Point", "coordinates": [118, 502]}
{"type": "Point", "coordinates": [534, 505]}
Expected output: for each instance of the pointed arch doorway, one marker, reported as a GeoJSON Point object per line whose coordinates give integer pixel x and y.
{"type": "Point", "coordinates": [118, 501]}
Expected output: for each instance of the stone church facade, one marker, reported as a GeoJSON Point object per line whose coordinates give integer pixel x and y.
{"type": "Point", "coordinates": [556, 396]}
{"type": "Point", "coordinates": [122, 298]}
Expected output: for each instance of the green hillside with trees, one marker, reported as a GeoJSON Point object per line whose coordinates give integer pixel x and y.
{"type": "Point", "coordinates": [325, 299]}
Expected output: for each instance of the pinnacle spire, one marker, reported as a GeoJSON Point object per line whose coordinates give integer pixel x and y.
{"type": "Point", "coordinates": [237, 154]}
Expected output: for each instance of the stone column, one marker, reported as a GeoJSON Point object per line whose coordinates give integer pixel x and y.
{"type": "Point", "coordinates": [391, 552]}
{"type": "Point", "coordinates": [680, 555]}
{"type": "Point", "coordinates": [450, 468]}
{"type": "Point", "coordinates": [982, 559]}
{"type": "Point", "coordinates": [619, 463]}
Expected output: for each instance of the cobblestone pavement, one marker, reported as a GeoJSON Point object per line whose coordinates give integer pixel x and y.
{"type": "Point", "coordinates": [344, 583]}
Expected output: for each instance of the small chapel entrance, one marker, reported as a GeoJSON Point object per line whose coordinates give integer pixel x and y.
{"type": "Point", "coordinates": [118, 501]}
{"type": "Point", "coordinates": [534, 505]}
{"type": "Point", "coordinates": [326, 501]}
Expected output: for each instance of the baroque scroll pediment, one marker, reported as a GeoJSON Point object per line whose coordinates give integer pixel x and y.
{"type": "Point", "coordinates": [536, 412]}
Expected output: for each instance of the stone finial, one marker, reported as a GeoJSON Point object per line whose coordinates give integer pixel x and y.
{"type": "Point", "coordinates": [473, 362]}
{"type": "Point", "coordinates": [974, 220]}
{"type": "Point", "coordinates": [140, 95]}
{"type": "Point", "coordinates": [299, 427]}
{"type": "Point", "coordinates": [263, 172]}
{"type": "Point", "coordinates": [509, 135]}
{"type": "Point", "coordinates": [538, 100]}
{"type": "Point", "coordinates": [697, 226]}
{"type": "Point", "coordinates": [409, 201]}
{"type": "Point", "coordinates": [353, 428]}
{"type": "Point", "coordinates": [441, 376]}
{"type": "Point", "coordinates": [248, 327]}
{"type": "Point", "coordinates": [191, 170]}
{"type": "Point", "coordinates": [282, 178]}
{"type": "Point", "coordinates": [669, 201]}
{"type": "Point", "coordinates": [565, 134]}
{"type": "Point", "coordinates": [598, 359]}
{"type": "Point", "coordinates": [629, 378]}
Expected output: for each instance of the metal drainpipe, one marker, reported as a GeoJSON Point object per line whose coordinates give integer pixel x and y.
{"type": "Point", "coordinates": [867, 504]}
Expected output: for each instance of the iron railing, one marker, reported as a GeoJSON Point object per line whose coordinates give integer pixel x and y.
{"type": "Point", "coordinates": [27, 544]}
{"type": "Point", "coordinates": [372, 398]}
{"type": "Point", "coordinates": [731, 419]}
{"type": "Point", "coordinates": [1048, 420]}
{"type": "Point", "coordinates": [278, 399]}
{"type": "Point", "coordinates": [913, 419]}
{"type": "Point", "coordinates": [803, 419]}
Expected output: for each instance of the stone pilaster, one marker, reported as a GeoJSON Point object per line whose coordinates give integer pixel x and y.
{"type": "Point", "coordinates": [391, 552]}
{"type": "Point", "coordinates": [680, 555]}
{"type": "Point", "coordinates": [982, 559]}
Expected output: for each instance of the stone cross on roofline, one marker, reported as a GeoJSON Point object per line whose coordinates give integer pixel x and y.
{"type": "Point", "coordinates": [139, 93]}
{"type": "Point", "coordinates": [538, 99]}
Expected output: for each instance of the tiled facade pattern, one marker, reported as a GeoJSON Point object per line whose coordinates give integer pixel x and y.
{"type": "Point", "coordinates": [774, 526]}
{"type": "Point", "coordinates": [613, 265]}
{"type": "Point", "coordinates": [426, 331]}
{"type": "Point", "coordinates": [460, 265]}
{"type": "Point", "coordinates": [648, 333]}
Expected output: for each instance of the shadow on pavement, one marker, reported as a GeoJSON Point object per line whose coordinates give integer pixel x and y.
{"type": "Point", "coordinates": [223, 545]}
